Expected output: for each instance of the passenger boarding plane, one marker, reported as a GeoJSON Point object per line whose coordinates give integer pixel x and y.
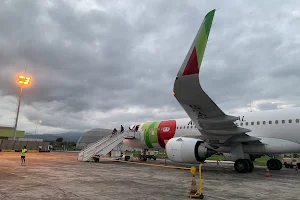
{"type": "Point", "coordinates": [208, 130]}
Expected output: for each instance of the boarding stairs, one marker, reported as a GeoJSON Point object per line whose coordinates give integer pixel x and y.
{"type": "Point", "coordinates": [103, 146]}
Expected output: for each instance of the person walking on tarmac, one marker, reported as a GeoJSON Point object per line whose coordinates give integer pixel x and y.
{"type": "Point", "coordinates": [122, 129]}
{"type": "Point", "coordinates": [23, 155]}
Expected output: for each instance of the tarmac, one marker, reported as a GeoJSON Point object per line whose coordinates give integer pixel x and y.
{"type": "Point", "coordinates": [58, 175]}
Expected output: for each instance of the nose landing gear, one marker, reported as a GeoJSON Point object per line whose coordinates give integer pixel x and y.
{"type": "Point", "coordinates": [144, 156]}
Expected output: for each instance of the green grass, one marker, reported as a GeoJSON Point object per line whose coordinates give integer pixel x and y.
{"type": "Point", "coordinates": [262, 161]}
{"type": "Point", "coordinates": [159, 155]}
{"type": "Point", "coordinates": [216, 157]}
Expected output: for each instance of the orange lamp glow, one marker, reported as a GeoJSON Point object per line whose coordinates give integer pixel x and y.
{"type": "Point", "coordinates": [25, 81]}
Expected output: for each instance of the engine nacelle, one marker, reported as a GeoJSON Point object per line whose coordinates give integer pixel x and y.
{"type": "Point", "coordinates": [187, 150]}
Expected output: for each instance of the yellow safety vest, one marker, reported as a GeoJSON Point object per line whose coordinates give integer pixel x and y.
{"type": "Point", "coordinates": [23, 152]}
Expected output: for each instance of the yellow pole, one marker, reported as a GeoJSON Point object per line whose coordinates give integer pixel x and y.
{"type": "Point", "coordinates": [200, 181]}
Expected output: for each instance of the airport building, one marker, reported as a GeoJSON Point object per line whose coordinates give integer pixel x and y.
{"type": "Point", "coordinates": [7, 142]}
{"type": "Point", "coordinates": [8, 133]}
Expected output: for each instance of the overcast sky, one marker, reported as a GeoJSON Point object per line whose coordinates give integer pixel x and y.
{"type": "Point", "coordinates": [105, 63]}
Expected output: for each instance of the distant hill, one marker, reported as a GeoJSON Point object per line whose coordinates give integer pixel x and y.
{"type": "Point", "coordinates": [68, 137]}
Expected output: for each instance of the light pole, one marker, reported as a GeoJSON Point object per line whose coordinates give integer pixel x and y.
{"type": "Point", "coordinates": [39, 122]}
{"type": "Point", "coordinates": [23, 82]}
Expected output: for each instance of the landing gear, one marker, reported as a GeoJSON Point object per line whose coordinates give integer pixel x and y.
{"type": "Point", "coordinates": [144, 156]}
{"type": "Point", "coordinates": [251, 165]}
{"type": "Point", "coordinates": [274, 164]}
{"type": "Point", "coordinates": [243, 165]}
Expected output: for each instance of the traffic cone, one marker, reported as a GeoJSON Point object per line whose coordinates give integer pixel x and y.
{"type": "Point", "coordinates": [268, 173]}
{"type": "Point", "coordinates": [193, 186]}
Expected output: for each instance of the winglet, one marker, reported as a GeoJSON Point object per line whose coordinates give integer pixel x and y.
{"type": "Point", "coordinates": [193, 60]}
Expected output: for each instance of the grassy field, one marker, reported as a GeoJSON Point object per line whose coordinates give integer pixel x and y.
{"type": "Point", "coordinates": [262, 161]}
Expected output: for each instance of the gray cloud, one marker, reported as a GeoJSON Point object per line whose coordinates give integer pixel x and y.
{"type": "Point", "coordinates": [269, 106]}
{"type": "Point", "coordinates": [103, 63]}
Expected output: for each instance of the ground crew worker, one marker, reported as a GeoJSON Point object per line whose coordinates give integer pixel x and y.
{"type": "Point", "coordinates": [122, 129]}
{"type": "Point", "coordinates": [23, 155]}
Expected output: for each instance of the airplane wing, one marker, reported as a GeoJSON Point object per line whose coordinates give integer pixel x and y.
{"type": "Point", "coordinates": [212, 122]}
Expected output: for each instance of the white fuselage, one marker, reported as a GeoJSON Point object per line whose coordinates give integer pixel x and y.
{"type": "Point", "coordinates": [278, 129]}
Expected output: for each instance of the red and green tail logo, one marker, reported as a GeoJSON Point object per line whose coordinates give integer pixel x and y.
{"type": "Point", "coordinates": [199, 44]}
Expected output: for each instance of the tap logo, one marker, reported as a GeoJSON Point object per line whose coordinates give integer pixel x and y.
{"type": "Point", "coordinates": [166, 129]}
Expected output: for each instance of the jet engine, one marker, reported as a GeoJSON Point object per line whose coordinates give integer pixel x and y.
{"type": "Point", "coordinates": [187, 150]}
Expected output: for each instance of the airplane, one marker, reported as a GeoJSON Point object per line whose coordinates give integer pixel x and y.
{"type": "Point", "coordinates": [240, 138]}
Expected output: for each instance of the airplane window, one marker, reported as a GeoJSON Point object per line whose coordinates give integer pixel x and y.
{"type": "Point", "coordinates": [257, 123]}
{"type": "Point", "coordinates": [184, 127]}
{"type": "Point", "coordinates": [270, 122]}
{"type": "Point", "coordinates": [241, 124]}
{"type": "Point", "coordinates": [264, 122]}
{"type": "Point", "coordinates": [180, 127]}
{"type": "Point", "coordinates": [290, 121]}
{"type": "Point", "coordinates": [252, 123]}
{"type": "Point", "coordinates": [276, 121]}
{"type": "Point", "coordinates": [283, 121]}
{"type": "Point", "coordinates": [246, 123]}
{"type": "Point", "coordinates": [187, 127]}
{"type": "Point", "coordinates": [297, 120]}
{"type": "Point", "coordinates": [177, 127]}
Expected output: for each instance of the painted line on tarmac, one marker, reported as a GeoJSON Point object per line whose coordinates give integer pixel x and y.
{"type": "Point", "coordinates": [214, 197]}
{"type": "Point", "coordinates": [155, 165]}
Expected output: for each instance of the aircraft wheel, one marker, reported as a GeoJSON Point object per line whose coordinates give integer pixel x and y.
{"type": "Point", "coordinates": [144, 158]}
{"type": "Point", "coordinates": [280, 164]}
{"type": "Point", "coordinates": [273, 164]}
{"type": "Point", "coordinates": [242, 165]}
{"type": "Point", "coordinates": [251, 165]}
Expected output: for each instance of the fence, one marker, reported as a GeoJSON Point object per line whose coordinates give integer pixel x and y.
{"type": "Point", "coordinates": [18, 145]}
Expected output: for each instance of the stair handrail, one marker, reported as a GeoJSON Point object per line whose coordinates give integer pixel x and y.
{"type": "Point", "coordinates": [108, 142]}
{"type": "Point", "coordinates": [101, 140]}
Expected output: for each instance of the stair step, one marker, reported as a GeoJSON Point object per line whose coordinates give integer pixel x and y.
{"type": "Point", "coordinates": [102, 147]}
{"type": "Point", "coordinates": [129, 137]}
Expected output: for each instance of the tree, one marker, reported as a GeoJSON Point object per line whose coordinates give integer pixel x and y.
{"type": "Point", "coordinates": [60, 139]}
